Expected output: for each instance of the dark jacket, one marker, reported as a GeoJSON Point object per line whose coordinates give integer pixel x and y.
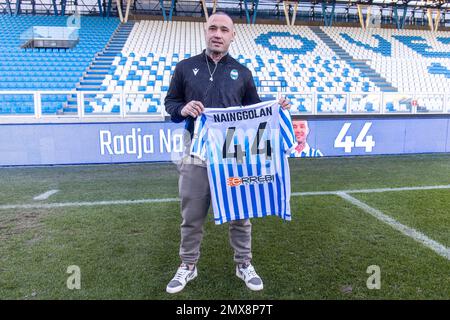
{"type": "Point", "coordinates": [233, 85]}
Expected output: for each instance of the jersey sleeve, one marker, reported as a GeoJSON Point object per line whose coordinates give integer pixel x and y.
{"type": "Point", "coordinates": [287, 131]}
{"type": "Point", "coordinates": [199, 138]}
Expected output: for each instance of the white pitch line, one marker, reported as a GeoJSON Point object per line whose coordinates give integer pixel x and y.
{"type": "Point", "coordinates": [84, 204]}
{"type": "Point", "coordinates": [323, 193]}
{"type": "Point", "coordinates": [398, 189]}
{"type": "Point", "coordinates": [313, 193]}
{"type": "Point", "coordinates": [140, 201]}
{"type": "Point", "coordinates": [410, 232]}
{"type": "Point", "coordinates": [45, 195]}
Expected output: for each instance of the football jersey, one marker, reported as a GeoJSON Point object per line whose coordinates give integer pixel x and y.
{"type": "Point", "coordinates": [307, 152]}
{"type": "Point", "coordinates": [246, 151]}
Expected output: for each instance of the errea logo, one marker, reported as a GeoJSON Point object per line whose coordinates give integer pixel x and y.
{"type": "Point", "coordinates": [236, 181]}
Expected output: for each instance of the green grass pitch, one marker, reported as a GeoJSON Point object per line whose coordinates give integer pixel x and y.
{"type": "Point", "coordinates": [130, 251]}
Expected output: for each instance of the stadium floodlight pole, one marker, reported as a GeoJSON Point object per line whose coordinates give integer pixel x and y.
{"type": "Point", "coordinates": [127, 11]}
{"type": "Point", "coordinates": [369, 13]}
{"type": "Point", "coordinates": [18, 7]}
{"type": "Point", "coordinates": [400, 21]}
{"type": "Point", "coordinates": [247, 14]}
{"type": "Point", "coordinates": [361, 16]}
{"type": "Point", "coordinates": [328, 18]}
{"type": "Point", "coordinates": [63, 7]}
{"type": "Point", "coordinates": [324, 13]}
{"type": "Point", "coordinates": [214, 6]}
{"type": "Point", "coordinates": [119, 10]}
{"type": "Point", "coordinates": [8, 5]}
{"type": "Point", "coordinates": [433, 23]}
{"type": "Point", "coordinates": [286, 12]}
{"type": "Point", "coordinates": [163, 9]}
{"type": "Point", "coordinates": [286, 5]}
{"type": "Point", "coordinates": [294, 12]}
{"type": "Point", "coordinates": [205, 8]}
{"type": "Point", "coordinates": [255, 11]}
{"type": "Point", "coordinates": [172, 7]}
{"type": "Point", "coordinates": [100, 10]}
{"type": "Point", "coordinates": [251, 20]}
{"type": "Point", "coordinates": [108, 8]}
{"type": "Point", "coordinates": [55, 9]}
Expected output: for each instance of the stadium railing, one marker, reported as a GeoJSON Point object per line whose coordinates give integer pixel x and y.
{"type": "Point", "coordinates": [133, 106]}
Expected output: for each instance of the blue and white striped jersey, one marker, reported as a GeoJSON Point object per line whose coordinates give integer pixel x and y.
{"type": "Point", "coordinates": [246, 150]}
{"type": "Point", "coordinates": [307, 152]}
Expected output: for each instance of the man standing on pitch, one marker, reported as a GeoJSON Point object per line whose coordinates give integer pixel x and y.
{"type": "Point", "coordinates": [212, 79]}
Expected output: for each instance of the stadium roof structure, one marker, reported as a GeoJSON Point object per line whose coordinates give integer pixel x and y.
{"type": "Point", "coordinates": [433, 4]}
{"type": "Point", "coordinates": [250, 9]}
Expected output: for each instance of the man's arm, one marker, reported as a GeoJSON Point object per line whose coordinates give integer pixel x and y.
{"type": "Point", "coordinates": [174, 100]}
{"type": "Point", "coordinates": [250, 95]}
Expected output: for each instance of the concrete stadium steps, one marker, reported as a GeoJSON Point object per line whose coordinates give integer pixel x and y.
{"type": "Point", "coordinates": [100, 66]}
{"type": "Point", "coordinates": [366, 70]}
{"type": "Point", "coordinates": [98, 69]}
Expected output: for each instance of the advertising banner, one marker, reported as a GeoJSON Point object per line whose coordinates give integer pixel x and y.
{"type": "Point", "coordinates": [85, 143]}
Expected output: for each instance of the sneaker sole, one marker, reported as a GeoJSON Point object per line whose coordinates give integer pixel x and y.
{"type": "Point", "coordinates": [251, 286]}
{"type": "Point", "coordinates": [178, 289]}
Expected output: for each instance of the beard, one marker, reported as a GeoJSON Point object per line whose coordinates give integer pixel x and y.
{"type": "Point", "coordinates": [216, 51]}
{"type": "Point", "coordinates": [212, 49]}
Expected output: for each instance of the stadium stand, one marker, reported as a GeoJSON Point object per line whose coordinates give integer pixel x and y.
{"type": "Point", "coordinates": [299, 60]}
{"type": "Point", "coordinates": [312, 65]}
{"type": "Point", "coordinates": [46, 69]}
{"type": "Point", "coordinates": [279, 57]}
{"type": "Point", "coordinates": [412, 60]}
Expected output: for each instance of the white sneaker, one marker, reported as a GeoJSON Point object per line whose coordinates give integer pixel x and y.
{"type": "Point", "coordinates": [183, 276]}
{"type": "Point", "coordinates": [247, 273]}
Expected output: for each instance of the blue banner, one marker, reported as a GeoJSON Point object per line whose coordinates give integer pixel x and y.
{"type": "Point", "coordinates": [374, 136]}
{"type": "Point", "coordinates": [39, 144]}
{"type": "Point", "coordinates": [84, 143]}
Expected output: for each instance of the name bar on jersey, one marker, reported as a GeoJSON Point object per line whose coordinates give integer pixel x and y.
{"type": "Point", "coordinates": [243, 115]}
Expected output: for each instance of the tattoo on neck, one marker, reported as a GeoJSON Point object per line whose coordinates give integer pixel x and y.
{"type": "Point", "coordinates": [215, 56]}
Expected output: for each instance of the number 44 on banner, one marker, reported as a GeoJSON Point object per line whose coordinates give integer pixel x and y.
{"type": "Point", "coordinates": [362, 141]}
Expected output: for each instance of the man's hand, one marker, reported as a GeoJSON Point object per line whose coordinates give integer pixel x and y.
{"type": "Point", "coordinates": [193, 109]}
{"type": "Point", "coordinates": [285, 103]}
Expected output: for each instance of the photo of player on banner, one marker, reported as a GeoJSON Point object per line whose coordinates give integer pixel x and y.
{"type": "Point", "coordinates": [303, 150]}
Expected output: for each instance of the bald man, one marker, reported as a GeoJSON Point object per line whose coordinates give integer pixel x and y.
{"type": "Point", "coordinates": [301, 131]}
{"type": "Point", "coordinates": [210, 79]}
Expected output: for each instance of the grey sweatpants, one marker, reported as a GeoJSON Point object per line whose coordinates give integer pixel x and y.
{"type": "Point", "coordinates": [195, 201]}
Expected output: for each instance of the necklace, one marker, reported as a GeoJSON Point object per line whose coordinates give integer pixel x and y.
{"type": "Point", "coordinates": [209, 70]}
